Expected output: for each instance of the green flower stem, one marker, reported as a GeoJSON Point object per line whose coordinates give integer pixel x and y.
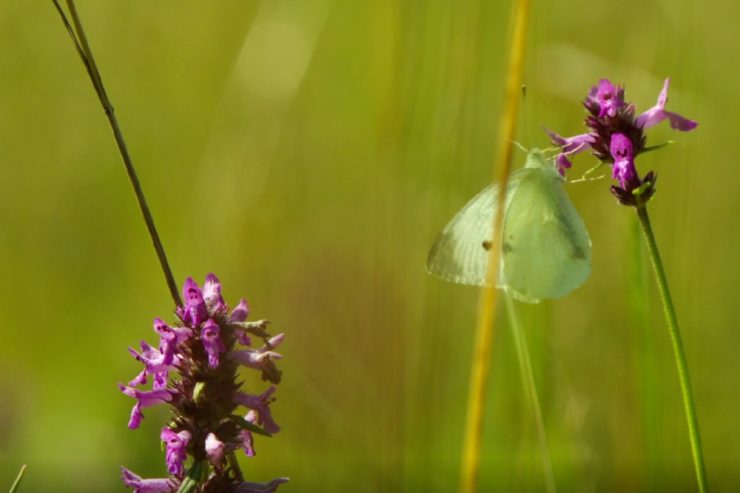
{"type": "Point", "coordinates": [530, 390]}
{"type": "Point", "coordinates": [678, 351]}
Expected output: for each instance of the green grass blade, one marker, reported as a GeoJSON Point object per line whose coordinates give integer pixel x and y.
{"type": "Point", "coordinates": [18, 479]}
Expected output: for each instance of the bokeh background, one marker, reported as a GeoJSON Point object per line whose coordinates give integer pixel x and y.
{"type": "Point", "coordinates": [308, 152]}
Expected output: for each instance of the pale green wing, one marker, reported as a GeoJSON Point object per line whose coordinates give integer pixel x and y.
{"type": "Point", "coordinates": [460, 252]}
{"type": "Point", "coordinates": [546, 251]}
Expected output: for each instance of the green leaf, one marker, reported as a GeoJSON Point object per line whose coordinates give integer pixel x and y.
{"type": "Point", "coordinates": [196, 475]}
{"type": "Point", "coordinates": [656, 147]}
{"type": "Point", "coordinates": [243, 423]}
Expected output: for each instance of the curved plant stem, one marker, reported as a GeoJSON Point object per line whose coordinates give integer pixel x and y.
{"type": "Point", "coordinates": [479, 366]}
{"type": "Point", "coordinates": [678, 351]}
{"type": "Point", "coordinates": [530, 390]}
{"type": "Point", "coordinates": [77, 33]}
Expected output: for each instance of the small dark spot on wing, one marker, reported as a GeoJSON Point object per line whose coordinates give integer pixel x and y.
{"type": "Point", "coordinates": [505, 247]}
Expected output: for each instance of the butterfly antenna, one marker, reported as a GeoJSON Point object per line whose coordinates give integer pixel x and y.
{"type": "Point", "coordinates": [585, 176]}
{"type": "Point", "coordinates": [521, 147]}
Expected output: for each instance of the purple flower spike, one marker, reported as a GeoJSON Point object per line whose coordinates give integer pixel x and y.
{"type": "Point", "coordinates": [195, 310]}
{"type": "Point", "coordinates": [260, 403]}
{"type": "Point", "coordinates": [176, 444]}
{"type": "Point", "coordinates": [214, 450]}
{"type": "Point", "coordinates": [570, 146]}
{"type": "Point", "coordinates": [623, 169]}
{"type": "Point", "coordinates": [657, 114]}
{"type": "Point", "coordinates": [271, 487]}
{"type": "Point", "coordinates": [189, 373]}
{"type": "Point", "coordinates": [212, 342]}
{"type": "Point", "coordinates": [164, 485]}
{"type": "Point", "coordinates": [212, 295]}
{"type": "Point", "coordinates": [616, 137]}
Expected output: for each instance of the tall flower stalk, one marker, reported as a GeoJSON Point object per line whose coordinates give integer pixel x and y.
{"type": "Point", "coordinates": [195, 367]}
{"type": "Point", "coordinates": [616, 137]}
{"type": "Point", "coordinates": [194, 370]}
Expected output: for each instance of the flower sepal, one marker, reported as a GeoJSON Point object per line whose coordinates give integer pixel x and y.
{"type": "Point", "coordinates": [657, 146]}
{"type": "Point", "coordinates": [640, 195]}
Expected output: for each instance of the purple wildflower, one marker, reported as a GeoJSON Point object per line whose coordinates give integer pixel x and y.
{"type": "Point", "coordinates": [212, 294]}
{"type": "Point", "coordinates": [262, 359]}
{"type": "Point", "coordinates": [657, 114]}
{"type": "Point", "coordinates": [195, 310]}
{"type": "Point", "coordinates": [260, 404]}
{"type": "Point", "coordinates": [155, 363]}
{"type": "Point", "coordinates": [212, 342]}
{"type": "Point", "coordinates": [608, 97]}
{"type": "Point", "coordinates": [176, 444]}
{"type": "Point", "coordinates": [246, 436]}
{"type": "Point", "coordinates": [623, 168]}
{"type": "Point", "coordinates": [171, 336]}
{"type": "Point", "coordinates": [569, 146]}
{"type": "Point", "coordinates": [240, 313]}
{"type": "Point", "coordinates": [214, 449]}
{"type": "Point", "coordinates": [617, 137]}
{"type": "Point", "coordinates": [144, 399]}
{"type": "Point", "coordinates": [190, 374]}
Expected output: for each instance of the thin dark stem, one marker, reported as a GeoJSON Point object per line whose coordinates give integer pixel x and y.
{"type": "Point", "coordinates": [77, 33]}
{"type": "Point", "coordinates": [235, 466]}
{"type": "Point", "coordinates": [678, 351]}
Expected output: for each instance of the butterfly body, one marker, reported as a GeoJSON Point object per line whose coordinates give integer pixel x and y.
{"type": "Point", "coordinates": [545, 249]}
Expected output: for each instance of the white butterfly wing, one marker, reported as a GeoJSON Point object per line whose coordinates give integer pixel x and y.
{"type": "Point", "coordinates": [458, 254]}
{"type": "Point", "coordinates": [546, 250]}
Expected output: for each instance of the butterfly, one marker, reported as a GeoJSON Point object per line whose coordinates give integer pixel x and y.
{"type": "Point", "coordinates": [545, 249]}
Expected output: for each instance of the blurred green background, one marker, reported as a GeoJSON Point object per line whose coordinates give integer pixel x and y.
{"type": "Point", "coordinates": [308, 153]}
